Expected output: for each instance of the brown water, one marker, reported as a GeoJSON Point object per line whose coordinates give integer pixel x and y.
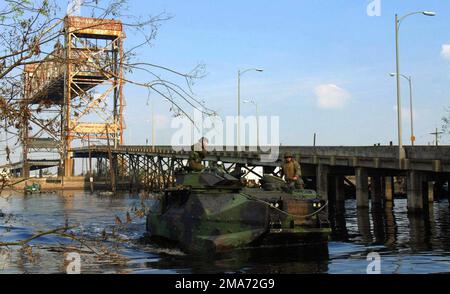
{"type": "Point", "coordinates": [406, 244]}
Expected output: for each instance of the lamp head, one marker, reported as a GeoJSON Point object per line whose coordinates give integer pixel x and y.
{"type": "Point", "coordinates": [429, 13]}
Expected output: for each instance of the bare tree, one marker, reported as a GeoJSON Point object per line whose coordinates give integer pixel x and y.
{"type": "Point", "coordinates": [28, 30]}
{"type": "Point", "coordinates": [31, 31]}
{"type": "Point", "coordinates": [446, 122]}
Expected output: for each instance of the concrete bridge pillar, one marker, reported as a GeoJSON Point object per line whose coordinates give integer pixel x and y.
{"type": "Point", "coordinates": [362, 188]}
{"type": "Point", "coordinates": [388, 189]}
{"type": "Point", "coordinates": [25, 169]}
{"type": "Point", "coordinates": [322, 180]}
{"type": "Point", "coordinates": [308, 170]}
{"type": "Point", "coordinates": [416, 191]}
{"type": "Point", "coordinates": [339, 185]}
{"type": "Point", "coordinates": [69, 166]}
{"type": "Point", "coordinates": [268, 170]}
{"type": "Point", "coordinates": [431, 191]}
{"type": "Point", "coordinates": [60, 171]}
{"type": "Point", "coordinates": [376, 190]}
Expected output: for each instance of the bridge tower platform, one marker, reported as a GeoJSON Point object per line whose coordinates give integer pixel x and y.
{"type": "Point", "coordinates": [75, 94]}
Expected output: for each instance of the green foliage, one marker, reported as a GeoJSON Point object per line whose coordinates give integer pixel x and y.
{"type": "Point", "coordinates": [17, 11]}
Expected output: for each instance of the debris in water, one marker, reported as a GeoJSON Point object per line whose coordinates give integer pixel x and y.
{"type": "Point", "coordinates": [104, 236]}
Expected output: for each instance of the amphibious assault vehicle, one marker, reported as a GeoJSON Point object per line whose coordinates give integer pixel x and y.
{"type": "Point", "coordinates": [212, 211]}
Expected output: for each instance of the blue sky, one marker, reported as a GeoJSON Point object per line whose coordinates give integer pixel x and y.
{"type": "Point", "coordinates": [315, 54]}
{"type": "Point", "coordinates": [326, 66]}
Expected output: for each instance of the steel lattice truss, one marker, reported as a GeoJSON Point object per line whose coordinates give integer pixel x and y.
{"type": "Point", "coordinates": [76, 92]}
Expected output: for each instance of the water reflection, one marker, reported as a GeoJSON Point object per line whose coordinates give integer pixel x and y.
{"type": "Point", "coordinates": [390, 225]}
{"type": "Point", "coordinates": [364, 226]}
{"type": "Point", "coordinates": [442, 224]}
{"type": "Point", "coordinates": [419, 233]}
{"type": "Point", "coordinates": [273, 261]}
{"type": "Point", "coordinates": [379, 225]}
{"type": "Point", "coordinates": [338, 222]}
{"type": "Point", "coordinates": [408, 243]}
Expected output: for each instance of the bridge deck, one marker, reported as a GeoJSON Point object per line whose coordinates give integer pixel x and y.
{"type": "Point", "coordinates": [34, 165]}
{"type": "Point", "coordinates": [45, 81]}
{"type": "Point", "coordinates": [424, 158]}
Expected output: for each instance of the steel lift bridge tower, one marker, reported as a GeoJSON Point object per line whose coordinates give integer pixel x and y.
{"type": "Point", "coordinates": [75, 93]}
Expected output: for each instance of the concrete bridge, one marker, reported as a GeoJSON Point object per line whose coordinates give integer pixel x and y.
{"type": "Point", "coordinates": [424, 168]}
{"type": "Point", "coordinates": [32, 164]}
{"type": "Point", "coordinates": [90, 64]}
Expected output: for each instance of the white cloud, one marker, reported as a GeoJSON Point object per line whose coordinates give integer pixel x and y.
{"type": "Point", "coordinates": [445, 52]}
{"type": "Point", "coordinates": [331, 96]}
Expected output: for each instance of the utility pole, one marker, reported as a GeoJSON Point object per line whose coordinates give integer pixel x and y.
{"type": "Point", "coordinates": [239, 74]}
{"type": "Point", "coordinates": [411, 114]}
{"type": "Point", "coordinates": [398, 21]}
{"type": "Point", "coordinates": [153, 125]}
{"type": "Point", "coordinates": [409, 79]}
{"type": "Point", "coordinates": [437, 133]}
{"type": "Point", "coordinates": [401, 152]}
{"type": "Point", "coordinates": [91, 178]}
{"type": "Point", "coordinates": [257, 120]}
{"type": "Point", "coordinates": [111, 165]}
{"type": "Point", "coordinates": [239, 110]}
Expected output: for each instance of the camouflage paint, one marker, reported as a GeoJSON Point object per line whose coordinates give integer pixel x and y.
{"type": "Point", "coordinates": [210, 213]}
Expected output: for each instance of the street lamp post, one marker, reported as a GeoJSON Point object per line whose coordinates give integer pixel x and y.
{"type": "Point", "coordinates": [152, 108]}
{"type": "Point", "coordinates": [257, 119]}
{"type": "Point", "coordinates": [409, 79]}
{"type": "Point", "coordinates": [240, 73]}
{"type": "Point", "coordinates": [153, 125]}
{"type": "Point", "coordinates": [398, 20]}
{"type": "Point", "coordinates": [203, 103]}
